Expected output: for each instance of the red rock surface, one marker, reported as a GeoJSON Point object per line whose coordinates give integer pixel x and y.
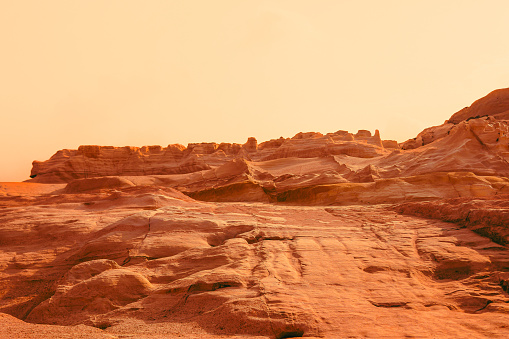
{"type": "Point", "coordinates": [330, 236]}
{"type": "Point", "coordinates": [470, 160]}
{"type": "Point", "coordinates": [151, 262]}
{"type": "Point", "coordinates": [495, 104]}
{"type": "Point", "coordinates": [486, 216]}
{"type": "Point", "coordinates": [468, 156]}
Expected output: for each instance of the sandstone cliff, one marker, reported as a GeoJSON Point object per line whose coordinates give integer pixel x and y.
{"type": "Point", "coordinates": [327, 236]}
{"type": "Point", "coordinates": [466, 156]}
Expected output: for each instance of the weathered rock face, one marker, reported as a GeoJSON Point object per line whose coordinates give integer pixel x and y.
{"type": "Point", "coordinates": [486, 216]}
{"type": "Point", "coordinates": [332, 236]}
{"type": "Point", "coordinates": [471, 159]}
{"type": "Point", "coordinates": [495, 104]}
{"type": "Point", "coordinates": [97, 161]}
{"type": "Point", "coordinates": [468, 156]}
{"type": "Point", "coordinates": [152, 262]}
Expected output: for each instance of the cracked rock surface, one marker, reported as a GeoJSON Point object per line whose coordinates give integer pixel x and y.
{"type": "Point", "coordinates": [329, 236]}
{"type": "Point", "coordinates": [151, 262]}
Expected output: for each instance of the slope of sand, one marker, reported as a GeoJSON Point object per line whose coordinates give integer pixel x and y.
{"type": "Point", "coordinates": [27, 188]}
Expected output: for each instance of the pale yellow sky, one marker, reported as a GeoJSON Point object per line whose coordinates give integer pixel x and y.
{"type": "Point", "coordinates": [159, 72]}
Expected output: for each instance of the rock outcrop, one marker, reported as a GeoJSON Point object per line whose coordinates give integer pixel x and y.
{"type": "Point", "coordinates": [151, 262]}
{"type": "Point", "coordinates": [470, 159]}
{"type": "Point", "coordinates": [328, 236]}
{"type": "Point", "coordinates": [470, 152]}
{"type": "Point", "coordinates": [98, 161]}
{"type": "Point", "coordinates": [486, 216]}
{"type": "Point", "coordinates": [495, 104]}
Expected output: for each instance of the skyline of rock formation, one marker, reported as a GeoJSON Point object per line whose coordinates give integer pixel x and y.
{"type": "Point", "coordinates": [322, 236]}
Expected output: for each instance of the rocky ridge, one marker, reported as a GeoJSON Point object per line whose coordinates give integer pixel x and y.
{"type": "Point", "coordinates": [327, 236]}
{"type": "Point", "coordinates": [460, 158]}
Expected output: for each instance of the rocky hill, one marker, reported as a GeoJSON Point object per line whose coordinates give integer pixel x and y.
{"type": "Point", "coordinates": [327, 236]}
{"type": "Point", "coordinates": [467, 156]}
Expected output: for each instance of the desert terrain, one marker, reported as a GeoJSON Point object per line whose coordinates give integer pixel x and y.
{"type": "Point", "coordinates": [338, 235]}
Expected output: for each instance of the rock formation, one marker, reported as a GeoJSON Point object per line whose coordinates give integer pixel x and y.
{"type": "Point", "coordinates": [495, 104]}
{"type": "Point", "coordinates": [151, 262]}
{"type": "Point", "coordinates": [468, 158]}
{"type": "Point", "coordinates": [327, 236]}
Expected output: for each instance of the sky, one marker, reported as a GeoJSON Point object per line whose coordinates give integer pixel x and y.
{"type": "Point", "coordinates": [159, 72]}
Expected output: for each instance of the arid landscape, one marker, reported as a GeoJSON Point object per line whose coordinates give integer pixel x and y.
{"type": "Point", "coordinates": [342, 235]}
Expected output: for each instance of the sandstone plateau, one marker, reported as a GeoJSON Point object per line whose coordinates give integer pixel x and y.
{"type": "Point", "coordinates": [342, 235]}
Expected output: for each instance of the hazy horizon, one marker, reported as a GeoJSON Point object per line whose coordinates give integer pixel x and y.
{"type": "Point", "coordinates": [163, 72]}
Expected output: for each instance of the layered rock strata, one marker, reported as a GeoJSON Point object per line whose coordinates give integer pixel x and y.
{"type": "Point", "coordinates": [327, 236]}
{"type": "Point", "coordinates": [151, 262]}
{"type": "Point", "coordinates": [467, 156]}
{"type": "Point", "coordinates": [472, 159]}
